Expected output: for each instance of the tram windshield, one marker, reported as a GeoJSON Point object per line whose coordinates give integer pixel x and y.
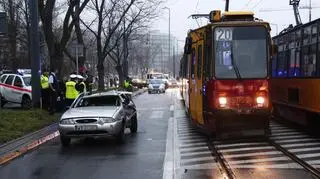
{"type": "Point", "coordinates": [241, 52]}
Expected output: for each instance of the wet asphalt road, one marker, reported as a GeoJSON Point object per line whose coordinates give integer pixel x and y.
{"type": "Point", "coordinates": [140, 157]}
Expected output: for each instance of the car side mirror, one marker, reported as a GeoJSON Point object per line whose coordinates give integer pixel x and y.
{"type": "Point", "coordinates": [131, 105]}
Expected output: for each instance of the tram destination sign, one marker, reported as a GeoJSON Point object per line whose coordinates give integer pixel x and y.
{"type": "Point", "coordinates": [3, 23]}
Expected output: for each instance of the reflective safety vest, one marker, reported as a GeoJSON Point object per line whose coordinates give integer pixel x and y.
{"type": "Point", "coordinates": [44, 82]}
{"type": "Point", "coordinates": [71, 92]}
{"type": "Point", "coordinates": [126, 84]}
{"type": "Point", "coordinates": [84, 87]}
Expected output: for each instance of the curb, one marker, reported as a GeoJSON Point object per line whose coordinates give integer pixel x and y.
{"type": "Point", "coordinates": [27, 148]}
{"type": "Point", "coordinates": [35, 143]}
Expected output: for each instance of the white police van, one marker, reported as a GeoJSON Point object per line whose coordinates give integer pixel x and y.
{"type": "Point", "coordinates": [16, 88]}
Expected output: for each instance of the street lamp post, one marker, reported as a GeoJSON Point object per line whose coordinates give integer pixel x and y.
{"type": "Point", "coordinates": [170, 39]}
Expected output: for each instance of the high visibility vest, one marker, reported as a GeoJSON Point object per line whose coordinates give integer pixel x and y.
{"type": "Point", "coordinates": [71, 92]}
{"type": "Point", "coordinates": [44, 82]}
{"type": "Point", "coordinates": [84, 87]}
{"type": "Point", "coordinates": [126, 84]}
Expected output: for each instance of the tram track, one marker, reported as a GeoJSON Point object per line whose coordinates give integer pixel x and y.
{"type": "Point", "coordinates": [228, 170]}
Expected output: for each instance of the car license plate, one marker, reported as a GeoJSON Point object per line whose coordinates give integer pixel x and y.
{"type": "Point", "coordinates": [85, 128]}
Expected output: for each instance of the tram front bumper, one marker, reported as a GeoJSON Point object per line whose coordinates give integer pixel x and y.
{"type": "Point", "coordinates": [242, 122]}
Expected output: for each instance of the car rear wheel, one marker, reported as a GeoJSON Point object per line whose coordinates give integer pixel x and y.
{"type": "Point", "coordinates": [134, 124]}
{"type": "Point", "coordinates": [2, 101]}
{"type": "Point", "coordinates": [121, 137]}
{"type": "Point", "coordinates": [26, 102]}
{"type": "Point", "coordinates": [65, 141]}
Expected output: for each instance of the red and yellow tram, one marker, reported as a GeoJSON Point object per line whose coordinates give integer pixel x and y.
{"type": "Point", "coordinates": [225, 75]}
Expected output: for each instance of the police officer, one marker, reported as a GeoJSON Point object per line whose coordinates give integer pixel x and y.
{"type": "Point", "coordinates": [81, 85]}
{"type": "Point", "coordinates": [45, 90]}
{"type": "Point", "coordinates": [127, 84]}
{"type": "Point", "coordinates": [71, 91]}
{"type": "Point", "coordinates": [53, 89]}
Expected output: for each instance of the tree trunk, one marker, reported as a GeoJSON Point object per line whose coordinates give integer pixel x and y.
{"type": "Point", "coordinates": [100, 68]}
{"type": "Point", "coordinates": [121, 75]}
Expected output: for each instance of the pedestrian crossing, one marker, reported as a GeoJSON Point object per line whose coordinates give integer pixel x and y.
{"type": "Point", "coordinates": [193, 147]}
{"type": "Point", "coordinates": [298, 143]}
{"type": "Point", "coordinates": [195, 153]}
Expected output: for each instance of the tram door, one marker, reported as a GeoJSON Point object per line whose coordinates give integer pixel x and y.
{"type": "Point", "coordinates": [199, 81]}
{"type": "Point", "coordinates": [192, 83]}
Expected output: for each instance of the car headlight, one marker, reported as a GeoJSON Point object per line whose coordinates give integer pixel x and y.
{"type": "Point", "coordinates": [150, 86]}
{"type": "Point", "coordinates": [260, 100]}
{"type": "Point", "coordinates": [222, 101]}
{"type": "Point", "coordinates": [107, 119]}
{"type": "Point", "coordinates": [67, 121]}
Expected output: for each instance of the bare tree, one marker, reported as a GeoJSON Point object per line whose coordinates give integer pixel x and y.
{"type": "Point", "coordinates": [57, 46]}
{"type": "Point", "coordinates": [18, 28]}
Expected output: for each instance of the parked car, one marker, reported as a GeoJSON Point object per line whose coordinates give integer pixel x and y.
{"type": "Point", "coordinates": [16, 88]}
{"type": "Point", "coordinates": [173, 83]}
{"type": "Point", "coordinates": [157, 86]}
{"type": "Point", "coordinates": [105, 114]}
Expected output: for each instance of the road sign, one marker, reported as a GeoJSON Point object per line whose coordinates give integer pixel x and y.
{"type": "Point", "coordinates": [3, 23]}
{"type": "Point", "coordinates": [76, 49]}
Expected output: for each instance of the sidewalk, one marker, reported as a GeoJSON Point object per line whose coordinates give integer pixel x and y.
{"type": "Point", "coordinates": [17, 147]}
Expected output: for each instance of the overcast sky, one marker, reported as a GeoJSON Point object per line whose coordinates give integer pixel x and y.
{"type": "Point", "coordinates": [182, 9]}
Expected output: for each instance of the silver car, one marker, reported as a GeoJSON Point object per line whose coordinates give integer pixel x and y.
{"type": "Point", "coordinates": [156, 86]}
{"type": "Point", "coordinates": [105, 114]}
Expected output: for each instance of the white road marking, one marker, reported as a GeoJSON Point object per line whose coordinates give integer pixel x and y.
{"type": "Point", "coordinates": [308, 155]}
{"type": "Point", "coordinates": [193, 144]}
{"type": "Point", "coordinates": [197, 159]}
{"type": "Point", "coordinates": [296, 140]}
{"type": "Point", "coordinates": [246, 149]}
{"type": "Point", "coordinates": [252, 154]}
{"type": "Point", "coordinates": [201, 166]}
{"type": "Point", "coordinates": [239, 144]}
{"type": "Point", "coordinates": [156, 115]}
{"type": "Point", "coordinates": [304, 149]}
{"type": "Point", "coordinates": [194, 148]}
{"type": "Point", "coordinates": [196, 153]}
{"type": "Point", "coordinates": [301, 144]}
{"type": "Point", "coordinates": [288, 137]}
{"type": "Point", "coordinates": [172, 108]}
{"type": "Point", "coordinates": [281, 166]}
{"type": "Point", "coordinates": [283, 130]}
{"type": "Point", "coordinates": [286, 133]}
{"type": "Point", "coordinates": [168, 164]}
{"type": "Point", "coordinates": [275, 159]}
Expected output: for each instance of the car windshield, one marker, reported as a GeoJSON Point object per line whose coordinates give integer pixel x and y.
{"type": "Point", "coordinates": [156, 81]}
{"type": "Point", "coordinates": [241, 52]}
{"type": "Point", "coordinates": [99, 101]}
{"type": "Point", "coordinates": [27, 81]}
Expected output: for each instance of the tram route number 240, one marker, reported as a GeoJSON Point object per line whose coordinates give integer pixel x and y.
{"type": "Point", "coordinates": [223, 34]}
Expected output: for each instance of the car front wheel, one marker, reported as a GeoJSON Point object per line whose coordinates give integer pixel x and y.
{"type": "Point", "coordinates": [121, 137]}
{"type": "Point", "coordinates": [134, 124]}
{"type": "Point", "coordinates": [26, 102]}
{"type": "Point", "coordinates": [65, 141]}
{"type": "Point", "coordinates": [2, 101]}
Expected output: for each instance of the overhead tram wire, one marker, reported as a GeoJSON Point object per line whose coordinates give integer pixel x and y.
{"type": "Point", "coordinates": [247, 5]}
{"type": "Point", "coordinates": [257, 4]}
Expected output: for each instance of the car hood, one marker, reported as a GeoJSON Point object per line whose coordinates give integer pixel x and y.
{"type": "Point", "coordinates": [92, 111]}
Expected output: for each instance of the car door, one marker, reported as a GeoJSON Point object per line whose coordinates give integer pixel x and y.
{"type": "Point", "coordinates": [7, 89]}
{"type": "Point", "coordinates": [17, 90]}
{"type": "Point", "coordinates": [129, 109]}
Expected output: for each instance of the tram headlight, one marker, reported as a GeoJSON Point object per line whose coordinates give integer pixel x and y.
{"type": "Point", "coordinates": [222, 101]}
{"type": "Point", "coordinates": [260, 100]}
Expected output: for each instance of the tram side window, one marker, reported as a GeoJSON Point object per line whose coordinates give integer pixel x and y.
{"type": "Point", "coordinates": [309, 61]}
{"type": "Point", "coordinates": [282, 64]}
{"type": "Point", "coordinates": [193, 62]}
{"type": "Point", "coordinates": [199, 64]}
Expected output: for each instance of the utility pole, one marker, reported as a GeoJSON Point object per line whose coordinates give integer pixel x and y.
{"type": "Point", "coordinates": [35, 52]}
{"type": "Point", "coordinates": [170, 36]}
{"type": "Point", "coordinates": [310, 7]}
{"type": "Point", "coordinates": [227, 6]}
